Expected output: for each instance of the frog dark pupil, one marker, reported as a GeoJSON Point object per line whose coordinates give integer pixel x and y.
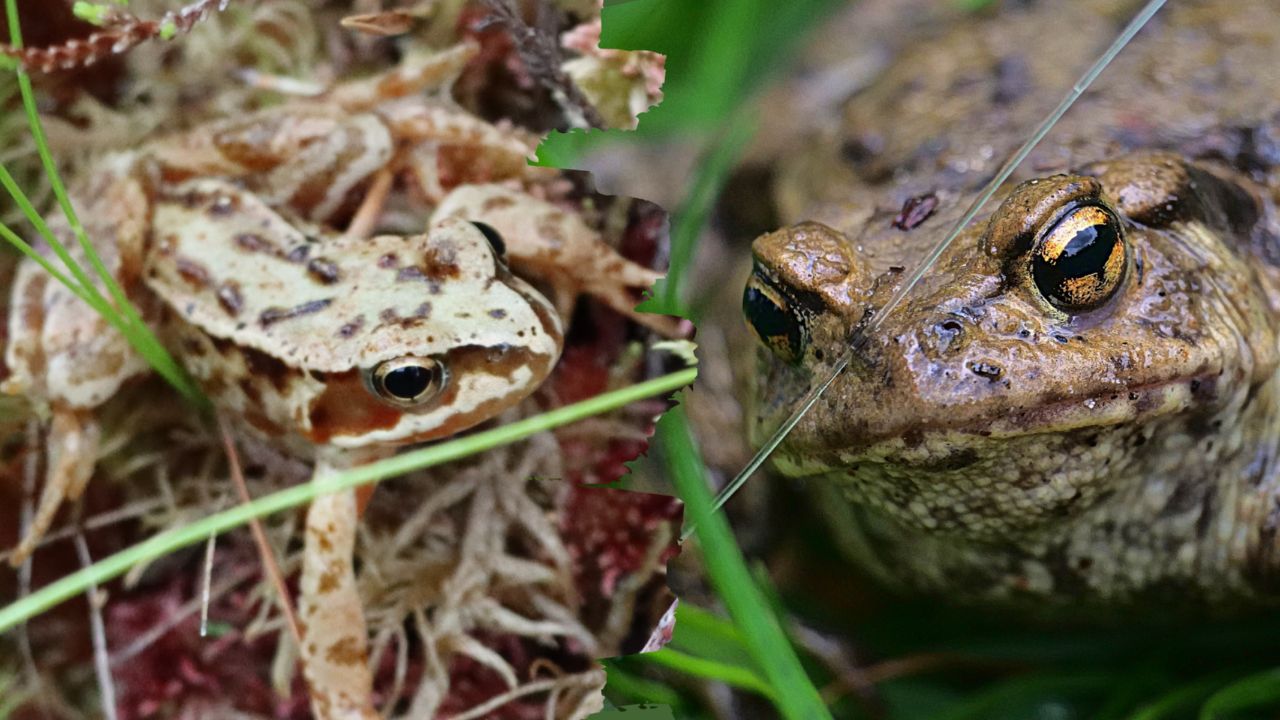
{"type": "Point", "coordinates": [407, 382]}
{"type": "Point", "coordinates": [494, 237]}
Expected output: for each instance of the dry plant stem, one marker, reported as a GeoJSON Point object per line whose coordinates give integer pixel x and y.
{"type": "Point", "coordinates": [161, 628]}
{"type": "Point", "coordinates": [125, 32]}
{"type": "Point", "coordinates": [101, 658]}
{"type": "Point", "coordinates": [206, 582]}
{"type": "Point", "coordinates": [259, 537]}
{"type": "Point", "coordinates": [587, 679]}
{"type": "Point", "coordinates": [862, 681]}
{"type": "Point", "coordinates": [366, 218]}
{"type": "Point", "coordinates": [30, 469]}
{"type": "Point", "coordinates": [132, 511]}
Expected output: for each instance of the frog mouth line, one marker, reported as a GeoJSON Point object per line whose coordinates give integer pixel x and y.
{"type": "Point", "coordinates": [1116, 407]}
{"type": "Point", "coordinates": [1107, 409]}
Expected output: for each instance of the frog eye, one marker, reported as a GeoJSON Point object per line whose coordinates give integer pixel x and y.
{"type": "Point", "coordinates": [773, 320]}
{"type": "Point", "coordinates": [1080, 260]}
{"type": "Point", "coordinates": [407, 381]}
{"type": "Point", "coordinates": [496, 242]}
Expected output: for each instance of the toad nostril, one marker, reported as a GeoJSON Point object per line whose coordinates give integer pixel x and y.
{"type": "Point", "coordinates": [990, 371]}
{"type": "Point", "coordinates": [944, 337]}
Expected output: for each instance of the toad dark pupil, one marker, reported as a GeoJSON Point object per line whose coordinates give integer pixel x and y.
{"type": "Point", "coordinates": [773, 323]}
{"type": "Point", "coordinates": [1080, 261]}
{"type": "Point", "coordinates": [407, 382]}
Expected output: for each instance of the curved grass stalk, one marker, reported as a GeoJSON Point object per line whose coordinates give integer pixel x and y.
{"type": "Point", "coordinates": [199, 531]}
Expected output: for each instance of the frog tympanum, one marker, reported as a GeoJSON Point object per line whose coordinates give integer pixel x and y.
{"type": "Point", "coordinates": [1079, 404]}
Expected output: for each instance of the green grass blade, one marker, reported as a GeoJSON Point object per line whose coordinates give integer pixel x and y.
{"type": "Point", "coordinates": [790, 689]}
{"type": "Point", "coordinates": [1175, 703]}
{"type": "Point", "coordinates": [81, 284]}
{"type": "Point", "coordinates": [727, 673]}
{"type": "Point", "coordinates": [692, 214]}
{"type": "Point", "coordinates": [700, 628]}
{"type": "Point", "coordinates": [1260, 690]}
{"type": "Point", "coordinates": [794, 695]}
{"type": "Point", "coordinates": [17, 241]}
{"type": "Point", "coordinates": [64, 200]}
{"type": "Point", "coordinates": [166, 542]}
{"type": "Point", "coordinates": [123, 314]}
{"type": "Point", "coordinates": [634, 687]}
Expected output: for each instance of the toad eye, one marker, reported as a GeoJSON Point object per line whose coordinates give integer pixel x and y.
{"type": "Point", "coordinates": [774, 321]}
{"type": "Point", "coordinates": [407, 381]}
{"type": "Point", "coordinates": [1079, 262]}
{"type": "Point", "coordinates": [496, 242]}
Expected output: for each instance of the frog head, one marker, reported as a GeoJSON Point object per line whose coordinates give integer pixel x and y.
{"type": "Point", "coordinates": [349, 342]}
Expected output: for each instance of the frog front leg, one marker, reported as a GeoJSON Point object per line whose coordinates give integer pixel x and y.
{"type": "Point", "coordinates": [335, 652]}
{"type": "Point", "coordinates": [448, 147]}
{"type": "Point", "coordinates": [546, 242]}
{"type": "Point", "coordinates": [67, 360]}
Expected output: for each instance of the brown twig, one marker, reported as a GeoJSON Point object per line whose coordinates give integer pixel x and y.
{"type": "Point", "coordinates": [259, 536]}
{"type": "Point", "coordinates": [539, 50]}
{"type": "Point", "coordinates": [366, 218]}
{"type": "Point", "coordinates": [125, 32]}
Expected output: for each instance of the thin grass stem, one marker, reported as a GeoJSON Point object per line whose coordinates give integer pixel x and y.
{"type": "Point", "coordinates": [123, 315]}
{"type": "Point", "coordinates": [794, 695]}
{"type": "Point", "coordinates": [735, 675]}
{"type": "Point", "coordinates": [199, 531]}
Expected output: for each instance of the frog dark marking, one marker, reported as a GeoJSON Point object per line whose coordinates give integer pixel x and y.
{"type": "Point", "coordinates": [230, 297]}
{"type": "Point", "coordinates": [323, 270]}
{"type": "Point", "coordinates": [273, 315]}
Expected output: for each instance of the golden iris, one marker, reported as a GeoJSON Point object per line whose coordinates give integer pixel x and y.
{"type": "Point", "coordinates": [1080, 260]}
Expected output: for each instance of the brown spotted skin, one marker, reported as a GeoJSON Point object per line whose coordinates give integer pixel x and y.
{"type": "Point", "coordinates": [65, 358]}
{"type": "Point", "coordinates": [293, 352]}
{"type": "Point", "coordinates": [993, 447]}
{"type": "Point", "coordinates": [223, 236]}
{"type": "Point", "coordinates": [284, 324]}
{"type": "Point", "coordinates": [218, 235]}
{"type": "Point", "coordinates": [555, 245]}
{"type": "Point", "coordinates": [334, 634]}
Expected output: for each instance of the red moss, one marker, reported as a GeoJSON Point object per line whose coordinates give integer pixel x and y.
{"type": "Point", "coordinates": [182, 675]}
{"type": "Point", "coordinates": [609, 533]}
